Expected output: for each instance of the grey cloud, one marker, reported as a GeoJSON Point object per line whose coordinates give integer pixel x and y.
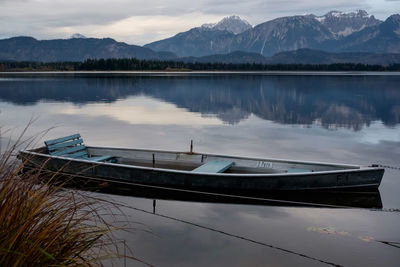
{"type": "Point", "coordinates": [92, 12]}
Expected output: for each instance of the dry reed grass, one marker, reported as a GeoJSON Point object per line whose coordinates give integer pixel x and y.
{"type": "Point", "coordinates": [43, 224]}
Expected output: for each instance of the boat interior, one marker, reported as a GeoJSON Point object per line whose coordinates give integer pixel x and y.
{"type": "Point", "coordinates": [208, 163]}
{"type": "Point", "coordinates": [72, 146]}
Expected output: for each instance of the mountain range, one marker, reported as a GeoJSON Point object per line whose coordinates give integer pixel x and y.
{"type": "Point", "coordinates": [335, 37]}
{"type": "Point", "coordinates": [333, 32]}
{"type": "Point", "coordinates": [73, 49]}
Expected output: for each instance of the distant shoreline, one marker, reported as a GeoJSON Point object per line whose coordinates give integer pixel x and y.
{"type": "Point", "coordinates": [179, 73]}
{"type": "Point", "coordinates": [133, 64]}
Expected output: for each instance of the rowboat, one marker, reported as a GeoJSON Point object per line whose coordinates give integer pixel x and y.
{"type": "Point", "coordinates": [197, 171]}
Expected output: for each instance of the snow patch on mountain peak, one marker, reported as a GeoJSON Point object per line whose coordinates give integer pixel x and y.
{"type": "Point", "coordinates": [233, 24]}
{"type": "Point", "coordinates": [208, 25]}
{"type": "Point", "coordinates": [78, 36]}
{"type": "Point", "coordinates": [339, 14]}
{"type": "Point", "coordinates": [336, 14]}
{"type": "Point", "coordinates": [345, 23]}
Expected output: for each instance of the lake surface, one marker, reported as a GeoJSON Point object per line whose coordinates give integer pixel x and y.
{"type": "Point", "coordinates": [342, 117]}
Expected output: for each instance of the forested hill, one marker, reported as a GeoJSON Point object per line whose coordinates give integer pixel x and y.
{"type": "Point", "coordinates": [153, 65]}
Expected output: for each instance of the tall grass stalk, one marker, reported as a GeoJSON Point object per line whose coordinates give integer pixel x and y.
{"type": "Point", "coordinates": [42, 224]}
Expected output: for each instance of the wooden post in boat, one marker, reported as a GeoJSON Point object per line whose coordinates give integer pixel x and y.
{"type": "Point", "coordinates": [124, 253]}
{"type": "Point", "coordinates": [154, 161]}
{"type": "Point", "coordinates": [191, 146]}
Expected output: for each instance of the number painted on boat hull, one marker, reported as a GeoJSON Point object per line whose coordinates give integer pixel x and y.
{"type": "Point", "coordinates": [264, 164]}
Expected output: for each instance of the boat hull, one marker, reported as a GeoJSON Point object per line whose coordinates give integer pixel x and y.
{"type": "Point", "coordinates": [347, 179]}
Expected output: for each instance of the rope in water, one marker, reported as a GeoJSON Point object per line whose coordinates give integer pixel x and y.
{"type": "Point", "coordinates": [220, 231]}
{"type": "Point", "coordinates": [235, 236]}
{"type": "Point", "coordinates": [386, 166]}
{"type": "Point", "coordinates": [224, 232]}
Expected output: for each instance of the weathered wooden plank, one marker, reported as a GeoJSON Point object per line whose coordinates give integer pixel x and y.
{"type": "Point", "coordinates": [80, 154]}
{"type": "Point", "coordinates": [65, 144]}
{"type": "Point", "coordinates": [68, 150]}
{"type": "Point", "coordinates": [294, 170]}
{"type": "Point", "coordinates": [214, 166]}
{"type": "Point", "coordinates": [72, 147]}
{"type": "Point", "coordinates": [62, 139]}
{"type": "Point", "coordinates": [100, 158]}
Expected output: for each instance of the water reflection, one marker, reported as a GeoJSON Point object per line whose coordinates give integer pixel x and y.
{"type": "Point", "coordinates": [325, 199]}
{"type": "Point", "coordinates": [234, 114]}
{"type": "Point", "coordinates": [333, 102]}
{"type": "Point", "coordinates": [345, 237]}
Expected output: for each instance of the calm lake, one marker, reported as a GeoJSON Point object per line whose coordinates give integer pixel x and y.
{"type": "Point", "coordinates": [328, 117]}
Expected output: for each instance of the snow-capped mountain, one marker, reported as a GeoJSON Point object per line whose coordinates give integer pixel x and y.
{"type": "Point", "coordinates": [233, 24]}
{"type": "Point", "coordinates": [380, 38]}
{"type": "Point", "coordinates": [236, 41]}
{"type": "Point", "coordinates": [333, 31]}
{"type": "Point", "coordinates": [78, 36]}
{"type": "Point", "coordinates": [343, 24]}
{"type": "Point", "coordinates": [205, 40]}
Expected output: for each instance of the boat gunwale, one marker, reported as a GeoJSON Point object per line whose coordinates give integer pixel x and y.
{"type": "Point", "coordinates": [357, 167]}
{"type": "Point", "coordinates": [229, 156]}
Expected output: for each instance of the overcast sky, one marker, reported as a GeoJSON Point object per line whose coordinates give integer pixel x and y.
{"type": "Point", "coordinates": [142, 21]}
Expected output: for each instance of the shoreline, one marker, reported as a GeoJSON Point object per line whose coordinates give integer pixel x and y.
{"type": "Point", "coordinates": [288, 73]}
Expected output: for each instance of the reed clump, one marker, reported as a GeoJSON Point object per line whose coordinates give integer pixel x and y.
{"type": "Point", "coordinates": [43, 224]}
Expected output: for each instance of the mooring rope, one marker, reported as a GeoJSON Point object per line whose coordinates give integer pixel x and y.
{"type": "Point", "coordinates": [386, 166]}
{"type": "Point", "coordinates": [235, 236]}
{"type": "Point", "coordinates": [214, 229]}
{"type": "Point", "coordinates": [232, 196]}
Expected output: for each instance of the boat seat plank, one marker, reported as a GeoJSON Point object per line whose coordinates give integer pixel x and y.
{"type": "Point", "coordinates": [214, 166]}
{"type": "Point", "coordinates": [295, 170]}
{"type": "Point", "coordinates": [62, 139]}
{"type": "Point", "coordinates": [68, 150]}
{"type": "Point", "coordinates": [77, 155]}
{"type": "Point", "coordinates": [72, 147]}
{"type": "Point", "coordinates": [65, 144]}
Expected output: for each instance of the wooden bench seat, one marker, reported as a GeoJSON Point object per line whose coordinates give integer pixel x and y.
{"type": "Point", "coordinates": [214, 166]}
{"type": "Point", "coordinates": [294, 170]}
{"type": "Point", "coordinates": [72, 146]}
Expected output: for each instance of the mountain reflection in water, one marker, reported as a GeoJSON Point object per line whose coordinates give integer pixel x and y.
{"type": "Point", "coordinates": [330, 101]}
{"type": "Point", "coordinates": [255, 115]}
